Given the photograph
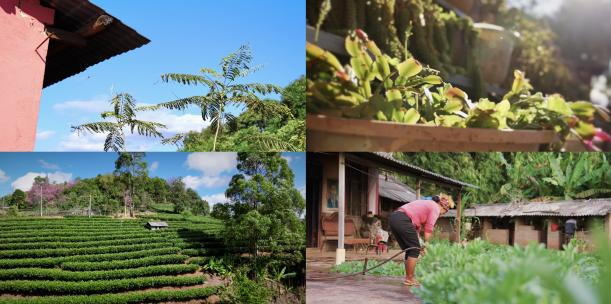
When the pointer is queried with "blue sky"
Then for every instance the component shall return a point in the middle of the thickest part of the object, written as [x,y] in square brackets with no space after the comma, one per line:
[207,173]
[185,36]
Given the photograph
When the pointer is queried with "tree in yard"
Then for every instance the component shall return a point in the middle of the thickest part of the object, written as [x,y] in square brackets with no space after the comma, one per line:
[18,199]
[130,167]
[122,115]
[196,204]
[224,89]
[264,207]
[178,195]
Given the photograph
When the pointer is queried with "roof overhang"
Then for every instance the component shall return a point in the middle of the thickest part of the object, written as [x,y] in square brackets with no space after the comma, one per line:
[388,162]
[84,35]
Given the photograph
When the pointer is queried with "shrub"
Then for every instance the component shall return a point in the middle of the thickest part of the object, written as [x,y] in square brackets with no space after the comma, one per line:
[93,287]
[108,265]
[61,275]
[124,298]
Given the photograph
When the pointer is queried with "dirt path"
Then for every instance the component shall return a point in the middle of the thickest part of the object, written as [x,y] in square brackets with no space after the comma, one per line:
[322,288]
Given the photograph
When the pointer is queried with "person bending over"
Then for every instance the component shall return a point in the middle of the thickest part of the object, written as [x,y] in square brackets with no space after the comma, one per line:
[406,224]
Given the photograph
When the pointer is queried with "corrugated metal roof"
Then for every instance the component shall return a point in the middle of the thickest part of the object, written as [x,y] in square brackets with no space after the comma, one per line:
[395,190]
[157,224]
[414,170]
[64,61]
[593,207]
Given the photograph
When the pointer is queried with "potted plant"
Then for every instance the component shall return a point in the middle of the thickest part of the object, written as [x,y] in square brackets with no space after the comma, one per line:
[379,103]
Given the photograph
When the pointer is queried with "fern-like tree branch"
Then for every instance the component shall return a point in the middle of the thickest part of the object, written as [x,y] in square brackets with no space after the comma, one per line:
[123,114]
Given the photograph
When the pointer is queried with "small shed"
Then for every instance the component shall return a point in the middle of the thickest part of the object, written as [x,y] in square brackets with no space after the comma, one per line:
[156,225]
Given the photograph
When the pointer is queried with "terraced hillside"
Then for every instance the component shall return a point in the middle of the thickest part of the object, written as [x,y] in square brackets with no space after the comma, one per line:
[103,260]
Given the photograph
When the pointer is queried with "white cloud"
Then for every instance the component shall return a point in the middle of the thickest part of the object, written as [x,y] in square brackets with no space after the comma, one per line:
[154,166]
[97,104]
[175,123]
[83,142]
[95,142]
[3,177]
[288,159]
[195,182]
[47,165]
[25,182]
[42,135]
[214,199]
[302,190]
[212,164]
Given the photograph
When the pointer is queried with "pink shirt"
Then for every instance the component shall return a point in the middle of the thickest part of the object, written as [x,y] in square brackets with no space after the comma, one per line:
[422,212]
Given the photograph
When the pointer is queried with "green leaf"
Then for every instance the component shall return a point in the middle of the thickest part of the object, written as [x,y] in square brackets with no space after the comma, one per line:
[557,104]
[585,130]
[409,68]
[352,46]
[583,109]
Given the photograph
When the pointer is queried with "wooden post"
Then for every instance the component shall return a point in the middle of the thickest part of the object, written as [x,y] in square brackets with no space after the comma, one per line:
[89,205]
[340,256]
[418,187]
[41,200]
[458,215]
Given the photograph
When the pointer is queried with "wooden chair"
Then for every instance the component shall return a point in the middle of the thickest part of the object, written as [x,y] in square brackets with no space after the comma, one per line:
[330,232]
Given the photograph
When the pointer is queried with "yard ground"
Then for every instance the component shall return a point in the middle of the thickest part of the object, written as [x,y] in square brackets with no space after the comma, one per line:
[322,288]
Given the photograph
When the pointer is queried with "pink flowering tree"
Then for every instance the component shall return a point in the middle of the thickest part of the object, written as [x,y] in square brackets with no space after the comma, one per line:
[50,192]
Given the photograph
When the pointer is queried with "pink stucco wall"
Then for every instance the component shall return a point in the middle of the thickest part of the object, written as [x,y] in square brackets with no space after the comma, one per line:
[22,68]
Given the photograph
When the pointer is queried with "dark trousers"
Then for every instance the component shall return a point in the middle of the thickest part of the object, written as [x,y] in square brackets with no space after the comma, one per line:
[404,232]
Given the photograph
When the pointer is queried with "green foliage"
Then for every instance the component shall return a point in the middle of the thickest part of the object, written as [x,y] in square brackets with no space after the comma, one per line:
[245,290]
[58,261]
[61,275]
[262,215]
[122,116]
[480,272]
[224,89]
[13,211]
[155,296]
[131,263]
[517,177]
[93,287]
[25,253]
[18,199]
[383,88]
[280,128]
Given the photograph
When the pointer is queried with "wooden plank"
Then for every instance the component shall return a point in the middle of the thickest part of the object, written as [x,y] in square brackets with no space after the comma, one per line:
[341,134]
[327,41]
[458,215]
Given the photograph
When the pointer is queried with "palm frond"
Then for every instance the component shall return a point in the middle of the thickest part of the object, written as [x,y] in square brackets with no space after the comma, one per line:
[146,128]
[260,88]
[268,143]
[174,140]
[96,127]
[210,71]
[108,114]
[183,103]
[114,141]
[235,63]
[188,79]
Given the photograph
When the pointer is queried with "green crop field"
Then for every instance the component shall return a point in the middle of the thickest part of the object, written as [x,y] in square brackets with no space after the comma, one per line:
[103,260]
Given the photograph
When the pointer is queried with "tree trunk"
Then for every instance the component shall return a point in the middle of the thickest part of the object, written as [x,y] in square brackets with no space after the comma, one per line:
[216,134]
